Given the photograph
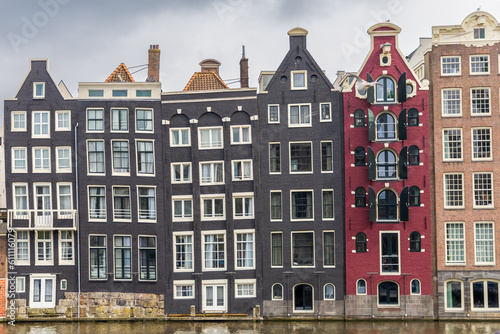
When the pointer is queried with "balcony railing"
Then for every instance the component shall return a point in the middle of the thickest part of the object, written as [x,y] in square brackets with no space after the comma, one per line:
[42,219]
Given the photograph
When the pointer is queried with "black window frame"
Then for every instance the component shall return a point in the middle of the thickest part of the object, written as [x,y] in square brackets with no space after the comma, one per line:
[415,242]
[359,118]
[360,197]
[359,156]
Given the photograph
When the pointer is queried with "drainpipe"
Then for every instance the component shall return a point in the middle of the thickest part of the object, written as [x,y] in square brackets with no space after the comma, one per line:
[77,218]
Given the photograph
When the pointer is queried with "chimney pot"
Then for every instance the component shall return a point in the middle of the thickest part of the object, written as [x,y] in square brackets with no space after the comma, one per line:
[154,63]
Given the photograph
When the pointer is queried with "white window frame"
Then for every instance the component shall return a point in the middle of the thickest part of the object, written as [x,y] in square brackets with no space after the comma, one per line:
[43,278]
[243,196]
[184,283]
[63,128]
[447,307]
[291,204]
[60,248]
[183,218]
[357,287]
[321,155]
[271,207]
[139,173]
[13,158]
[446,191]
[174,255]
[13,122]
[272,291]
[42,149]
[213,232]
[489,145]
[290,157]
[155,213]
[111,113]
[240,128]
[106,259]
[459,65]
[420,287]
[182,165]
[204,197]
[492,240]
[129,200]
[59,169]
[241,169]
[241,282]
[313,250]
[104,157]
[41,135]
[105,214]
[44,262]
[453,91]
[329,119]
[211,144]
[485,307]
[181,143]
[323,203]
[400,250]
[64,284]
[152,121]
[115,278]
[334,292]
[236,255]
[20,284]
[487,90]
[475,188]
[24,262]
[214,283]
[445,159]
[38,96]
[292,81]
[300,123]
[477,62]
[26,196]
[113,172]
[87,120]
[456,242]
[46,213]
[212,172]
[398,305]
[269,113]
[334,249]
[269,157]
[59,210]
[271,249]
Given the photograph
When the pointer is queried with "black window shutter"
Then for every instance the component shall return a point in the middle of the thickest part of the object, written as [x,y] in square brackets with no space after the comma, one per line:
[402,88]
[370,92]
[403,205]
[402,125]
[373,204]
[371,126]
[403,163]
[371,164]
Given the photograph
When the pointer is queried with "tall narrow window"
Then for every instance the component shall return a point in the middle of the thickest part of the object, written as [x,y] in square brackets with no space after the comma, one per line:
[414,196]
[415,242]
[389,251]
[453,191]
[302,205]
[97,202]
[22,248]
[361,242]
[387,205]
[214,254]
[483,190]
[276,249]
[123,257]
[183,252]
[66,247]
[276,210]
[414,155]
[245,250]
[120,157]
[386,127]
[359,156]
[63,159]
[274,158]
[386,165]
[413,117]
[121,203]
[326,156]
[147,203]
[359,118]
[119,119]
[481,144]
[95,156]
[65,201]
[326,115]
[18,121]
[452,144]
[147,258]
[386,91]
[97,257]
[360,197]
[484,236]
[329,249]
[44,247]
[328,212]
[455,243]
[274,113]
[480,100]
[454,296]
[145,158]
[451,102]
[415,287]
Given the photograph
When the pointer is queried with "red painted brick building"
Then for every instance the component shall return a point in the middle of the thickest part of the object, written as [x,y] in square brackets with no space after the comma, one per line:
[388,226]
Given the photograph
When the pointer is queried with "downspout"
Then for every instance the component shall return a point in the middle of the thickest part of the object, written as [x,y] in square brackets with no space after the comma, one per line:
[77,218]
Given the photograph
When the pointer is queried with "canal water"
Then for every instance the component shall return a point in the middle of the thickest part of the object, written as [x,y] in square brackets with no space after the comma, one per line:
[268,327]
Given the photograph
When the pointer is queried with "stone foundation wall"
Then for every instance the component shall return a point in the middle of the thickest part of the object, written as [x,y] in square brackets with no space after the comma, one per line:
[278,308]
[415,306]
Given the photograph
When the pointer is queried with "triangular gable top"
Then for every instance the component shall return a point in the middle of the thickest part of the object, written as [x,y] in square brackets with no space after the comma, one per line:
[205,81]
[120,74]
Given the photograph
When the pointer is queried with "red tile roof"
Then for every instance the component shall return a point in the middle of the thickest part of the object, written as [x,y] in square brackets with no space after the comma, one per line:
[121,74]
[205,81]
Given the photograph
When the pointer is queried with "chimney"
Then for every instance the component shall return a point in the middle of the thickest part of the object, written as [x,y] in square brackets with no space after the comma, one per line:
[297,38]
[153,63]
[243,70]
[210,65]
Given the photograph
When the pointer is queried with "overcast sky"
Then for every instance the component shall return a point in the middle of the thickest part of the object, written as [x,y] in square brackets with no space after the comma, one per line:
[86,40]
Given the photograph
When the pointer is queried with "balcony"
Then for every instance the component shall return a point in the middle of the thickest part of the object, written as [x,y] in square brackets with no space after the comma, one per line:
[42,219]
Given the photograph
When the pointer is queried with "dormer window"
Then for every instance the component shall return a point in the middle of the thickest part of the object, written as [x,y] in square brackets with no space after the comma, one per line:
[39,90]
[386,91]
[479,33]
[299,80]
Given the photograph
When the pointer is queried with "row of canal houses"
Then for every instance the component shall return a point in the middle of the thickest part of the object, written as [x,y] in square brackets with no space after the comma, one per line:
[369,197]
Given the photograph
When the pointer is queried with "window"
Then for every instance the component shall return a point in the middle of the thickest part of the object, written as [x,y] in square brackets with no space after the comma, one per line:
[143,93]
[485,295]
[303,298]
[387,205]
[97,203]
[484,239]
[481,144]
[453,191]
[44,249]
[214,253]
[241,134]
[64,284]
[455,244]
[327,202]
[42,291]
[243,205]
[414,196]
[119,120]
[181,172]
[274,113]
[213,207]
[183,208]
[66,256]
[329,291]
[302,205]
[63,159]
[123,257]
[386,165]
[389,250]
[41,159]
[452,102]
[210,138]
[360,197]
[415,287]
[242,170]
[302,249]
[276,249]
[326,156]
[274,158]
[483,190]
[95,120]
[386,127]
[20,284]
[144,120]
[96,92]
[359,156]
[65,200]
[480,101]
[478,33]
[145,158]
[184,289]
[95,154]
[41,124]
[97,248]
[299,80]
[414,156]
[147,203]
[361,242]
[300,157]
[480,64]
[22,247]
[413,117]
[452,144]
[454,295]
[325,110]
[43,205]
[180,137]
[119,93]
[19,160]
[245,249]
[214,295]
[147,258]
[415,242]
[361,287]
[121,157]
[386,90]
[388,294]
[121,203]
[38,90]
[18,121]
[329,249]
[63,120]
[183,252]
[359,118]
[211,173]
[276,209]
[277,291]
[450,65]
[299,115]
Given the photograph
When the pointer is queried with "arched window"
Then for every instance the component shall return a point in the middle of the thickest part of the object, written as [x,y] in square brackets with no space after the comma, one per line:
[386,91]
[413,117]
[359,118]
[415,287]
[386,127]
[387,205]
[277,291]
[360,242]
[329,291]
[360,195]
[454,295]
[386,165]
[361,287]
[359,156]
[414,196]
[415,242]
[388,293]
[414,155]
[303,297]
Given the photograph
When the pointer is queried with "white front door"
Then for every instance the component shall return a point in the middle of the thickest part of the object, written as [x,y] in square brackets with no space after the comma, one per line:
[214,298]
[42,291]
